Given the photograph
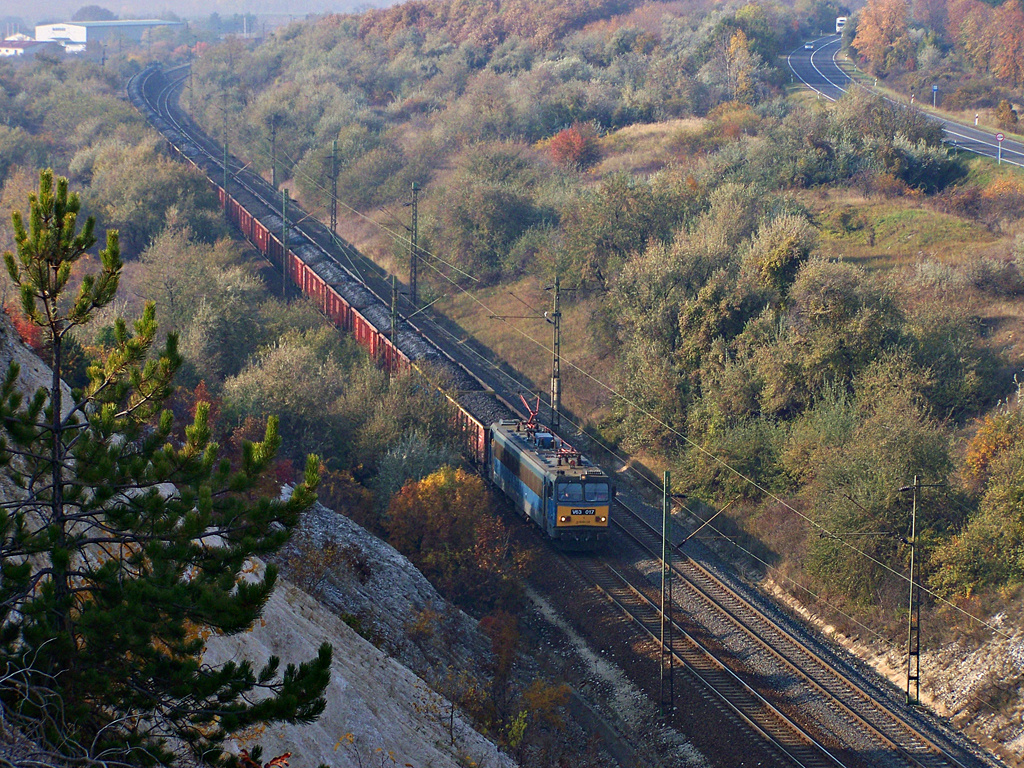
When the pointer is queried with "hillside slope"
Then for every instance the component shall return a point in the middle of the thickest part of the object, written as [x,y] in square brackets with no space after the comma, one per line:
[378,712]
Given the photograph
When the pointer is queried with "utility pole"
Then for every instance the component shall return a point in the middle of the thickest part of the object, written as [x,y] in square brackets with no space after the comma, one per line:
[273,153]
[553,317]
[191,110]
[334,187]
[394,309]
[225,170]
[914,614]
[284,243]
[224,106]
[556,357]
[413,239]
[667,659]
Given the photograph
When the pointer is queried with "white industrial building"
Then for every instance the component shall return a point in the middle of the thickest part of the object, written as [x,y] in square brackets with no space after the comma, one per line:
[27,48]
[75,36]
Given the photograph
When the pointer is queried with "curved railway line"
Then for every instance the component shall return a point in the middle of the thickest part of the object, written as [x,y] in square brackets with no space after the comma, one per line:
[805,683]
[809,703]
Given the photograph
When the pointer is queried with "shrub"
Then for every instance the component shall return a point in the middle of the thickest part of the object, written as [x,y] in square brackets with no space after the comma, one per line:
[575,147]
[479,223]
[997,433]
[990,549]
[444,525]
[1006,116]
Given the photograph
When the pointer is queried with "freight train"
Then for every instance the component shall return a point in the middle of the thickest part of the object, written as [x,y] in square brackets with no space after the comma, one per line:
[560,490]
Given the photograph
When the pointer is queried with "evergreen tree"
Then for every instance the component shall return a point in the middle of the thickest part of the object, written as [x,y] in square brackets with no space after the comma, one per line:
[120,550]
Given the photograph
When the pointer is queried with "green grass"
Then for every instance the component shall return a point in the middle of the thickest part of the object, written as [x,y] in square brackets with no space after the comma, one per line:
[886,234]
[916,228]
[982,171]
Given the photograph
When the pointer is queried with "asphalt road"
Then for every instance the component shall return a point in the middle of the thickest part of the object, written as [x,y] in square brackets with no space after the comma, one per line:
[818,70]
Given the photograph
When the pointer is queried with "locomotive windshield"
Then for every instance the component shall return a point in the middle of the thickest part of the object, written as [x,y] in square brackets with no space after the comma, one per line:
[596,491]
[570,492]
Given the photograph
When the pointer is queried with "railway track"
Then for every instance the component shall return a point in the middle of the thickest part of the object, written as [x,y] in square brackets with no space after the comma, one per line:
[629,594]
[770,676]
[195,145]
[795,695]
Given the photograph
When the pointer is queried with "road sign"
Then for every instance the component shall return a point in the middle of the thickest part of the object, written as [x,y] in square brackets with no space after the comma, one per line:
[935,88]
[999,137]
[999,148]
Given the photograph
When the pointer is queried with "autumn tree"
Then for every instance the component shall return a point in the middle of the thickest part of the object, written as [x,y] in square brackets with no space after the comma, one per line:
[745,68]
[444,524]
[120,547]
[997,433]
[575,147]
[969,27]
[1006,115]
[881,34]
[1008,51]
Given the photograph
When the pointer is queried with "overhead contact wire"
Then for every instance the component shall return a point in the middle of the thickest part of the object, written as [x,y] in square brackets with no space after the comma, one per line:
[672,430]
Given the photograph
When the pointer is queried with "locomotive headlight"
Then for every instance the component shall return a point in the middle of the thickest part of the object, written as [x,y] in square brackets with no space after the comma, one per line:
[601,519]
[564,519]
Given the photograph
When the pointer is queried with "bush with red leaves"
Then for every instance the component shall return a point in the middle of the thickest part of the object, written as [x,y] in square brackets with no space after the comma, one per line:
[575,147]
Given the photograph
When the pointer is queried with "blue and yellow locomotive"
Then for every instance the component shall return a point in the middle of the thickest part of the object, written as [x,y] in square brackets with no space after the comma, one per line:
[552,484]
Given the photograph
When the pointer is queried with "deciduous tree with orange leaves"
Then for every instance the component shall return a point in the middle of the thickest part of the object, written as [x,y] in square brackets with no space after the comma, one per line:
[881,33]
[444,524]
[1008,52]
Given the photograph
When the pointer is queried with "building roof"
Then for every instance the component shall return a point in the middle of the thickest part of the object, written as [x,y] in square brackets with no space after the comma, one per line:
[115,23]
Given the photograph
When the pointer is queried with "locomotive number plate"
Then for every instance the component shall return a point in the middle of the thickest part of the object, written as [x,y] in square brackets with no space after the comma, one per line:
[584,511]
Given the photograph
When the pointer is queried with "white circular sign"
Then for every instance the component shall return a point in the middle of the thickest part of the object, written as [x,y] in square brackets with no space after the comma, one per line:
[999,137]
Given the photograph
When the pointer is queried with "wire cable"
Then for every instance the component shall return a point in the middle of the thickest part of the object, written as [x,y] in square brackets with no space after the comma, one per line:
[870,630]
[394,234]
[669,428]
[735,472]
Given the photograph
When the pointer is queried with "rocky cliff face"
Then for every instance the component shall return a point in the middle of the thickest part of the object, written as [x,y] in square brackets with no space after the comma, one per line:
[379,712]
[379,591]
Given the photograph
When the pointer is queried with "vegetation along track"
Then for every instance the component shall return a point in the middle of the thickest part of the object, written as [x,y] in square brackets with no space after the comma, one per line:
[156,92]
[829,715]
[872,736]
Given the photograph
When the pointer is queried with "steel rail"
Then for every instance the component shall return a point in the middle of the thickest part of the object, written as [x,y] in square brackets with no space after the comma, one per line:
[757,625]
[200,142]
[781,731]
[377,287]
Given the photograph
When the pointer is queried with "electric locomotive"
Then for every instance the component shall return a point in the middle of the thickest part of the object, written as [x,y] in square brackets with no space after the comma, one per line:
[554,485]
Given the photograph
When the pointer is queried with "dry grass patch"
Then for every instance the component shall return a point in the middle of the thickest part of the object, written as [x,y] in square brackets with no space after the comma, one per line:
[644,148]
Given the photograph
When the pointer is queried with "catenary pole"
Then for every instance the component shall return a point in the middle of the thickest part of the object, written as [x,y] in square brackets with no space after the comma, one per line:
[556,357]
[667,687]
[334,187]
[413,248]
